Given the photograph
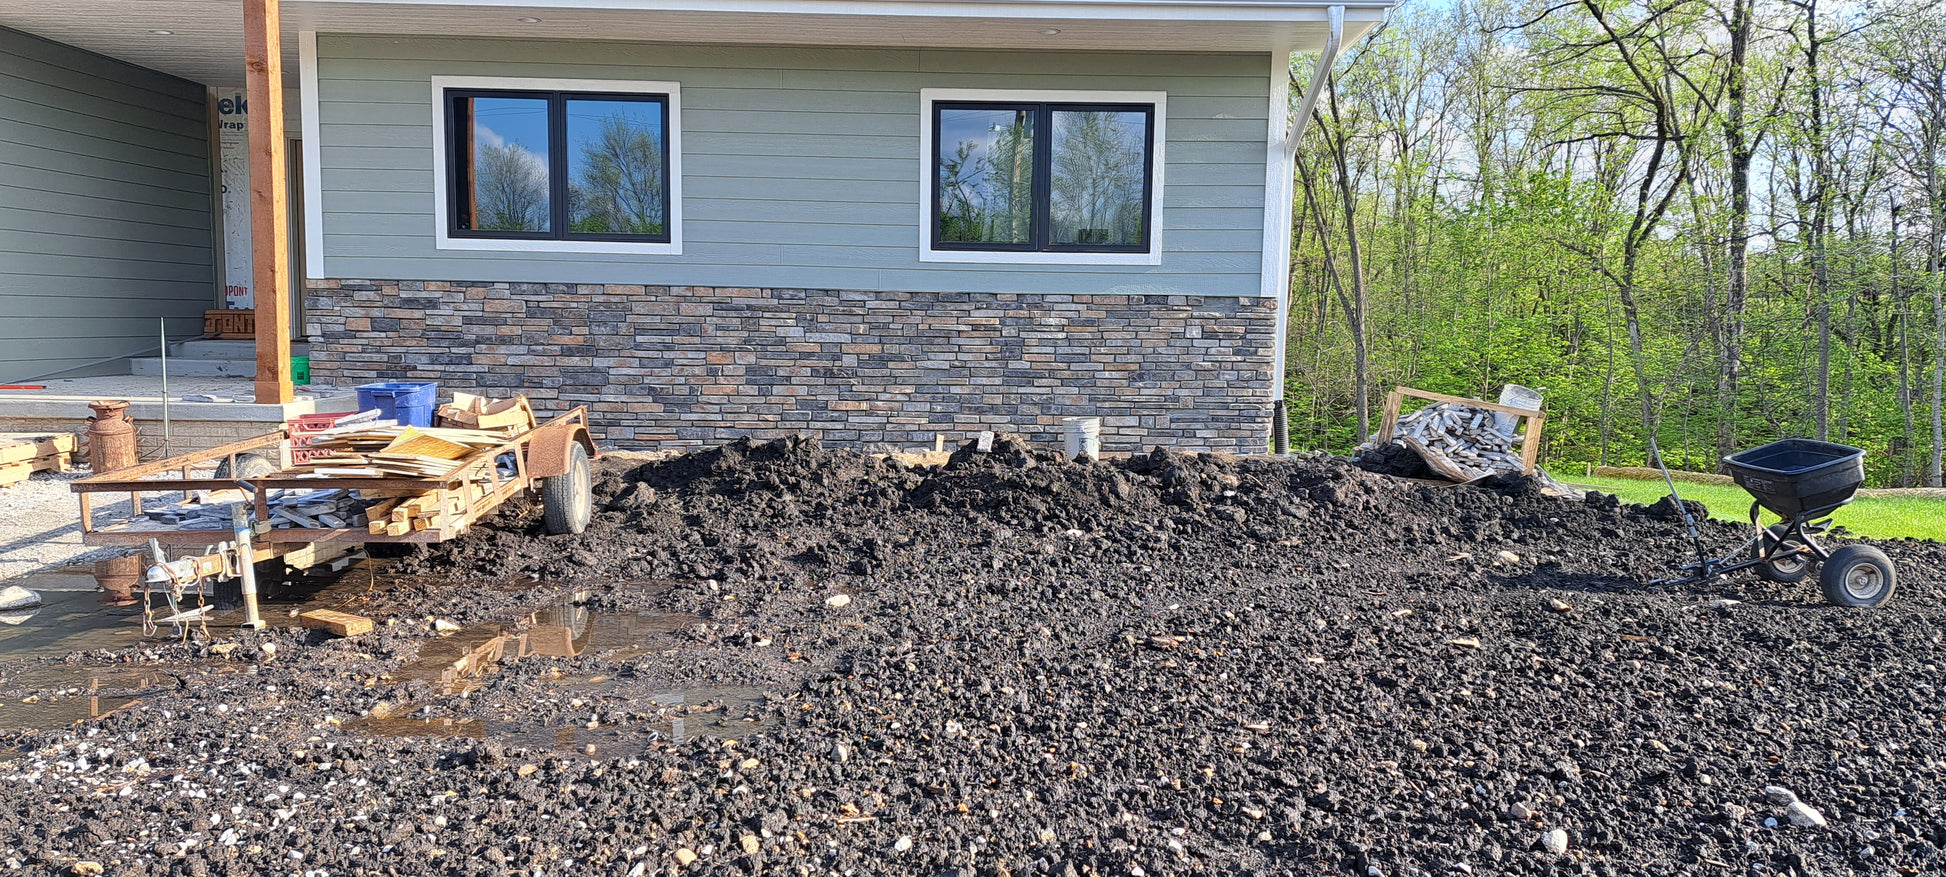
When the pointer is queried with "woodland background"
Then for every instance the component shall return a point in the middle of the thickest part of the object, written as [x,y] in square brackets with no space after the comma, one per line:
[1714,222]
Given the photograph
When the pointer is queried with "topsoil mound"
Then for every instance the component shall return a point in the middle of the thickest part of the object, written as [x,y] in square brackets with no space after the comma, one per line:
[793,511]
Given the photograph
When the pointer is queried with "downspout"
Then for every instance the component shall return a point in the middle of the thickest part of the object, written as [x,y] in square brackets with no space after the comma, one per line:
[1285,171]
[1326,58]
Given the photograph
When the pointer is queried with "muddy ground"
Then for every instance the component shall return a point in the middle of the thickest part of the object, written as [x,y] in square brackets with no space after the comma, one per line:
[784,659]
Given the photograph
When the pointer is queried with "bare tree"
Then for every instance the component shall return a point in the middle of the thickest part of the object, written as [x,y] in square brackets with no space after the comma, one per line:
[509,188]
[1913,54]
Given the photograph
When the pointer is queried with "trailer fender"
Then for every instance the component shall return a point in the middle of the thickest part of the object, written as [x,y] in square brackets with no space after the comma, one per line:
[547,454]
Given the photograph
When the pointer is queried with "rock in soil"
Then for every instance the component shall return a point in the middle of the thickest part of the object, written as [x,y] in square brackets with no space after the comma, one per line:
[1002,698]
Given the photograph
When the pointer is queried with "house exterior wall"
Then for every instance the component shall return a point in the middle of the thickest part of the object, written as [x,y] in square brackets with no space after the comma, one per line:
[104,207]
[799,301]
[701,364]
[801,166]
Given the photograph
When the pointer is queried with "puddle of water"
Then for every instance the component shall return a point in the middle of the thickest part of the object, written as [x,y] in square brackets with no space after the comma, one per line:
[456,661]
[57,712]
[717,712]
[68,621]
[574,629]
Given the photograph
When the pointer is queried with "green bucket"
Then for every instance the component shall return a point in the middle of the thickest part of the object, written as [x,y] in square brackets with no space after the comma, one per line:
[300,369]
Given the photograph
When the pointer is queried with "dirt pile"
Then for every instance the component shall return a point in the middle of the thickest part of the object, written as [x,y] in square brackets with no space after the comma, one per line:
[793,511]
[1015,665]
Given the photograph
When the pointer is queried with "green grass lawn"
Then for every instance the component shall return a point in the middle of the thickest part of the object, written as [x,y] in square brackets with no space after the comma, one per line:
[1876,517]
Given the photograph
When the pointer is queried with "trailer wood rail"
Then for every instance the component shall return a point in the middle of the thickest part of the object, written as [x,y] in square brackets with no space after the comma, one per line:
[472,490]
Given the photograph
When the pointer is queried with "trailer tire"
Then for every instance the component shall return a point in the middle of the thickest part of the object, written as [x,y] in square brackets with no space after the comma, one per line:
[1858,576]
[567,499]
[250,467]
[1787,571]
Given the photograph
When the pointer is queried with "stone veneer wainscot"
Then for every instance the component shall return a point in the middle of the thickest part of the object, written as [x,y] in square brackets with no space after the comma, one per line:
[707,364]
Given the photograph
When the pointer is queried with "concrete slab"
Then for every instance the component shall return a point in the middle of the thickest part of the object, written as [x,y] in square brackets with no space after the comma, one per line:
[68,398]
[194,368]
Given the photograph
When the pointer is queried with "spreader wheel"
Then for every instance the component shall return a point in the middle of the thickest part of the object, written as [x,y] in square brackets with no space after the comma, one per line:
[1858,576]
[1783,570]
[567,499]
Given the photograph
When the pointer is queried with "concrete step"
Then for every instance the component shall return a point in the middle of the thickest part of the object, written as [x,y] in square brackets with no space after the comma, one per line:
[216,348]
[194,368]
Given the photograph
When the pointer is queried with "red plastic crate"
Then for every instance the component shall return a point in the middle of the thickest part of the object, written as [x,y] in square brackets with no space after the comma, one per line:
[302,455]
[309,423]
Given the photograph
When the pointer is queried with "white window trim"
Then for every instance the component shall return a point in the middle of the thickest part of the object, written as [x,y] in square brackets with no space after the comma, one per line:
[441,150]
[929,96]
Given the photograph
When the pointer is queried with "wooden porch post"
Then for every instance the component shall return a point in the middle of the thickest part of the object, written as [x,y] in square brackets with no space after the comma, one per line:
[269,221]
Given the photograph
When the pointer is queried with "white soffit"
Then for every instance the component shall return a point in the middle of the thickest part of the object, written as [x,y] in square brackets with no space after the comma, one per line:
[205,42]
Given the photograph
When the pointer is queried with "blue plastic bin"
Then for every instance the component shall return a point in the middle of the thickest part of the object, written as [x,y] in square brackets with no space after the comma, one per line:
[409,402]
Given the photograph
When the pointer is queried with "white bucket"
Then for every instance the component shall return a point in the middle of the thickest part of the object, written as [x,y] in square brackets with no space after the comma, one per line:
[1083,437]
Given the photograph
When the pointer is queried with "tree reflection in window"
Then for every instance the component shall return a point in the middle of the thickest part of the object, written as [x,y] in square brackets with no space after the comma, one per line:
[1042,176]
[1098,178]
[510,187]
[986,184]
[616,168]
[555,165]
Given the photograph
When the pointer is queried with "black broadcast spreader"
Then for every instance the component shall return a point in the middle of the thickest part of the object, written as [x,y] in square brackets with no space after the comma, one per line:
[1801,481]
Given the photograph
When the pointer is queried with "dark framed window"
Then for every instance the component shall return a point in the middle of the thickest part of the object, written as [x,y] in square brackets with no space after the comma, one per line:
[1042,177]
[558,165]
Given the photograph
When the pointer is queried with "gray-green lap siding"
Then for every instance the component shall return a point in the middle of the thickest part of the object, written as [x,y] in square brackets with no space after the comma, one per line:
[800,165]
[105,214]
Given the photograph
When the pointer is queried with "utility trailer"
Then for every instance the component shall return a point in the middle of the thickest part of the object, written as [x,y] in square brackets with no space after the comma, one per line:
[552,458]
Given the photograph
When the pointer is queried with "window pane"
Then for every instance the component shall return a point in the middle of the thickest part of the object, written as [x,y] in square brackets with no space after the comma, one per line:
[506,153]
[986,175]
[1099,177]
[616,160]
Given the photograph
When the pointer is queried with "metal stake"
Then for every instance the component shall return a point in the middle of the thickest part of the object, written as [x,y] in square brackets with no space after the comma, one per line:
[163,332]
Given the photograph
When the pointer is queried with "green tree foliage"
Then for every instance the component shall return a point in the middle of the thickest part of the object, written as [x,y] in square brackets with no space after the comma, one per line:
[1653,210]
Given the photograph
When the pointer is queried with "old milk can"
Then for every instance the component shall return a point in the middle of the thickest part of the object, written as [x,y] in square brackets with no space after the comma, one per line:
[111,436]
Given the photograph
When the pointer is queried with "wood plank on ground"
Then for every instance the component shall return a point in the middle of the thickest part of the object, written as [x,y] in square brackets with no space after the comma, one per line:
[340,623]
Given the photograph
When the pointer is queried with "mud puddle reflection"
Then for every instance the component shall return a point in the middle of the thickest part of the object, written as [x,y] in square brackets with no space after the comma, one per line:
[688,714]
[459,663]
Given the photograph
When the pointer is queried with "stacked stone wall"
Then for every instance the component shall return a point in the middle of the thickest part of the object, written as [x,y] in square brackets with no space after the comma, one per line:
[690,365]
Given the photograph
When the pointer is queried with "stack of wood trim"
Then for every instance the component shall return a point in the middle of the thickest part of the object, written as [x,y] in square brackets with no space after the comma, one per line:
[468,411]
[402,512]
[378,452]
[23,454]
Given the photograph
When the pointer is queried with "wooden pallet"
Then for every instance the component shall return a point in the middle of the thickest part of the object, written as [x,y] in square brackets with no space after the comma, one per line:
[1530,442]
[24,453]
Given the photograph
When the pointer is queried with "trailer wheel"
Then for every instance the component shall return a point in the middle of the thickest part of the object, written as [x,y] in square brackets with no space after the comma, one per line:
[1858,576]
[1786,570]
[250,467]
[567,499]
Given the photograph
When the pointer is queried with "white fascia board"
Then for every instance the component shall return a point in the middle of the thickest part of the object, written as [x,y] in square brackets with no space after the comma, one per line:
[1168,10]
[307,99]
